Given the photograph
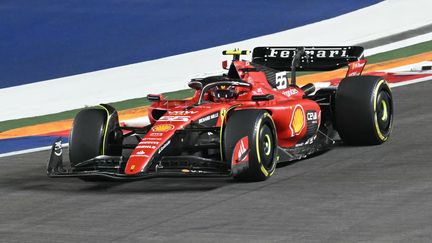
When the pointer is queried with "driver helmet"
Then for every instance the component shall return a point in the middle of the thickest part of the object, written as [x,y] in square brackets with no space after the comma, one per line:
[224,92]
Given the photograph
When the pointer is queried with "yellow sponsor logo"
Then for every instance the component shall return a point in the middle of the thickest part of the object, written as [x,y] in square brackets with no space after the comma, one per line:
[297,121]
[163,128]
[132,167]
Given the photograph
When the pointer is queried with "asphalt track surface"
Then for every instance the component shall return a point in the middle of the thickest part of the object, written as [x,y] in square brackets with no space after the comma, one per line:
[378,193]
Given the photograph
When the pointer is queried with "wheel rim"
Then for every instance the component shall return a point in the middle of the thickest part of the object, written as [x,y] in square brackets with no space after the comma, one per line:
[384,111]
[266,146]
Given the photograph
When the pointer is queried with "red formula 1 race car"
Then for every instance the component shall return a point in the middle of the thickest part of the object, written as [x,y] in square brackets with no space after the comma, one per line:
[239,124]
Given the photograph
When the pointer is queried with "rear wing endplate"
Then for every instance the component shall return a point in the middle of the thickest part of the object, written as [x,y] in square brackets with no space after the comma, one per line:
[316,58]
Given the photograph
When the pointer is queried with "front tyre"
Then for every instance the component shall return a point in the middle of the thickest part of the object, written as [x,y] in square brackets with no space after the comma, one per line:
[364,110]
[94,132]
[250,145]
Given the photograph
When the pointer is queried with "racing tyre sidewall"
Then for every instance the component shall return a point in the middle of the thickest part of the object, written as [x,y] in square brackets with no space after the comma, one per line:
[260,130]
[364,110]
[95,131]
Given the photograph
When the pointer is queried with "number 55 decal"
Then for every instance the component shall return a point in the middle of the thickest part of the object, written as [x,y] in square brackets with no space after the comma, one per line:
[281,80]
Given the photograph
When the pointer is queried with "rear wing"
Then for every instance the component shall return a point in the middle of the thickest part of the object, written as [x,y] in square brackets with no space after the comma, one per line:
[315,58]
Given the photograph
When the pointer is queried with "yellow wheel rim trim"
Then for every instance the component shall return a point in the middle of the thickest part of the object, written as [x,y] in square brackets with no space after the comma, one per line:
[377,129]
[385,112]
[105,129]
[263,169]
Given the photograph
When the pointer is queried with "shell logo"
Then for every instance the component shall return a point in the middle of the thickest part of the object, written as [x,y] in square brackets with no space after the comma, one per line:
[162,128]
[297,121]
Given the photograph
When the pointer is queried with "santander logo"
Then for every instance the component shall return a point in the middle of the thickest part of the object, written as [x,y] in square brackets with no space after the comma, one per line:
[290,92]
[240,151]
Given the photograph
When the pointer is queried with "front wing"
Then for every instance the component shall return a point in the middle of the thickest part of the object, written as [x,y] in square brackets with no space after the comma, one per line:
[112,167]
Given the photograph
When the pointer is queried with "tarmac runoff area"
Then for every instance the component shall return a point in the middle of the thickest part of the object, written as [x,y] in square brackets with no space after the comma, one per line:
[349,194]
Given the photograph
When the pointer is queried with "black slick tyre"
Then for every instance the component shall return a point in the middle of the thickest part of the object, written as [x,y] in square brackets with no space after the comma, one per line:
[364,110]
[259,128]
[86,136]
[94,131]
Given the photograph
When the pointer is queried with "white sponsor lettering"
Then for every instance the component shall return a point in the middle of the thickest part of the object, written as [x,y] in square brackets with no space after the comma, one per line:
[273,52]
[311,116]
[175,118]
[355,73]
[149,142]
[290,92]
[333,53]
[158,139]
[284,54]
[344,53]
[139,155]
[241,151]
[58,150]
[326,53]
[181,113]
[156,134]
[311,140]
[357,65]
[321,54]
[164,146]
[259,91]
[208,118]
[307,142]
[146,146]
[310,53]
[140,152]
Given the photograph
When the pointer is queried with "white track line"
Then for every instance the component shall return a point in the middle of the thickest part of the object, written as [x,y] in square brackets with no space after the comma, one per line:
[414,81]
[26,151]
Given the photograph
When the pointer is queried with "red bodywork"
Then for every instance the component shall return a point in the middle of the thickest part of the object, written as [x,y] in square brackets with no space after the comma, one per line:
[204,135]
[288,110]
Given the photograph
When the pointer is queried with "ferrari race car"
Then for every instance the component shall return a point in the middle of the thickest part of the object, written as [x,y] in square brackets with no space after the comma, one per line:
[239,124]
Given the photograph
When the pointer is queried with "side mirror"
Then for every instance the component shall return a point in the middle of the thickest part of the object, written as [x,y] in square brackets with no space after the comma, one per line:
[225,65]
[266,97]
[155,97]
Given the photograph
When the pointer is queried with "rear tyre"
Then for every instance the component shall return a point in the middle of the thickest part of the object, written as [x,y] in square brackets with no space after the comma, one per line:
[94,132]
[364,110]
[259,128]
